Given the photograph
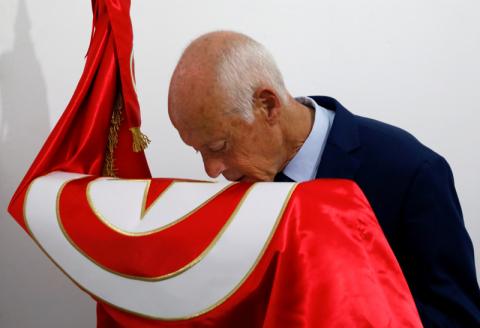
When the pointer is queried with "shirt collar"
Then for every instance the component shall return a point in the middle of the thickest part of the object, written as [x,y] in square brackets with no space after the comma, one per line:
[303,166]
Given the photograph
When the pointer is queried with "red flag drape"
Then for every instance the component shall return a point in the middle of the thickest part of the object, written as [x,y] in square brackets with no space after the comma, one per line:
[79,140]
[347,257]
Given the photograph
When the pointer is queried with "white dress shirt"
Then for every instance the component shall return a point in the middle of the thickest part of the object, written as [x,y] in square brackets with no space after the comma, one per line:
[303,166]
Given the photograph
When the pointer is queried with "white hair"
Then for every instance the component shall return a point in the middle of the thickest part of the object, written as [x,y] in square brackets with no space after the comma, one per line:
[243,67]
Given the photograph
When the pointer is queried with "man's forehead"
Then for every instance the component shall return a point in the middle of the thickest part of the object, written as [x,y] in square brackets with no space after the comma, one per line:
[200,109]
[198,131]
[199,116]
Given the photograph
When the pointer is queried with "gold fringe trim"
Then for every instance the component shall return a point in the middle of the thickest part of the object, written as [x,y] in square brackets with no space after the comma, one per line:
[140,141]
[115,122]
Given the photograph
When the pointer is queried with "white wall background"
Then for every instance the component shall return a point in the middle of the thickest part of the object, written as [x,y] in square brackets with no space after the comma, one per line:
[414,64]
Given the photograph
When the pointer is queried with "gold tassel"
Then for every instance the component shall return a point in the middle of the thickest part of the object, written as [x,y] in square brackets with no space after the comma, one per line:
[140,141]
[115,122]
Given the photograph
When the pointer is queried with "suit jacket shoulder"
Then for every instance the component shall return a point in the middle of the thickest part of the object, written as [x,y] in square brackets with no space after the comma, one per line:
[391,146]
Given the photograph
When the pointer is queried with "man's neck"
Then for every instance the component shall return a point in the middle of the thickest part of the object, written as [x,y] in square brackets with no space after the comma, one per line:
[298,122]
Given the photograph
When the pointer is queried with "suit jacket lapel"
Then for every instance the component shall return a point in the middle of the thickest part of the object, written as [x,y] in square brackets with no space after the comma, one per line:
[338,160]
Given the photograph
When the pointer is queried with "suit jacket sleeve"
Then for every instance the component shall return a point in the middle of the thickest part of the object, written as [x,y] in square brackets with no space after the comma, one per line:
[439,253]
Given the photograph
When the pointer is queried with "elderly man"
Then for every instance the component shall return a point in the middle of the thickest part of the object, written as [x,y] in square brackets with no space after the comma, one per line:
[228,101]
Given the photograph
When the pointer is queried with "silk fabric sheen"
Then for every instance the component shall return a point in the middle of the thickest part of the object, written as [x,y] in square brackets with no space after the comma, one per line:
[79,140]
[327,265]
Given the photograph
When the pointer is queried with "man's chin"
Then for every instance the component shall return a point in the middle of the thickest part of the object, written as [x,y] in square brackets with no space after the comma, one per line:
[242,178]
[245,178]
[248,179]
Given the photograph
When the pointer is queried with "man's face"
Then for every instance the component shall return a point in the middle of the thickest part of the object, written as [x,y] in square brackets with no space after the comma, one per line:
[229,144]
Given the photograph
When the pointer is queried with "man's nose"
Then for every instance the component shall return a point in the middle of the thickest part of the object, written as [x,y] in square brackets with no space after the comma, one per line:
[213,166]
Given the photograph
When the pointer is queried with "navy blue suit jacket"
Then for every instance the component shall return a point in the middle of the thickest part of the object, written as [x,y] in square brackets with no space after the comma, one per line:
[412,193]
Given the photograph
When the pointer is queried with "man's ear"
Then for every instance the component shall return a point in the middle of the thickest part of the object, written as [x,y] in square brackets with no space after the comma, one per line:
[268,103]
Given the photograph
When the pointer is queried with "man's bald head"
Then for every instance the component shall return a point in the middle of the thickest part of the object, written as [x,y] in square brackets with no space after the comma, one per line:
[228,101]
[224,68]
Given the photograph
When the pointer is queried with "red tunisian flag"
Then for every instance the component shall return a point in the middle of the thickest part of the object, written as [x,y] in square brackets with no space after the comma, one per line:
[172,253]
[99,130]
